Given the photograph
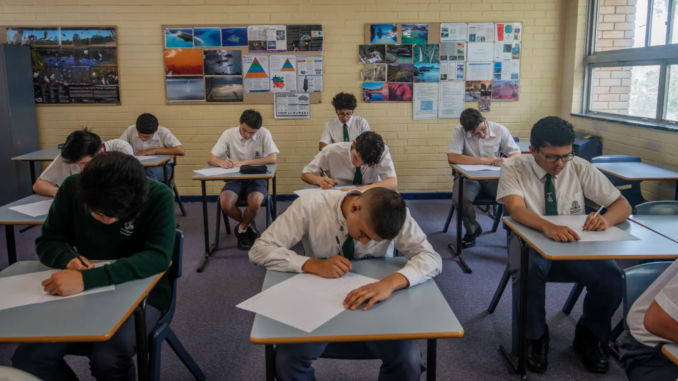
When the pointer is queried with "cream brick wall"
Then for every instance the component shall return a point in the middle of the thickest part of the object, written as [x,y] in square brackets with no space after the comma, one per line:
[418,147]
[648,144]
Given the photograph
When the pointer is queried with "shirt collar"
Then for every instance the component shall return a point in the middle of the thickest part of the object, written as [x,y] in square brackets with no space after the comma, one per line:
[539,171]
[253,138]
[490,132]
[347,123]
[340,214]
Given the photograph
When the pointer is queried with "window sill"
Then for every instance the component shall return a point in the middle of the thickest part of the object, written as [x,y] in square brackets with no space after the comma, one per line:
[629,122]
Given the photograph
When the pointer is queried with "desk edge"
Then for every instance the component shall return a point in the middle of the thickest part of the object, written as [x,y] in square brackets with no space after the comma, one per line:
[158,164]
[465,174]
[349,338]
[637,178]
[670,355]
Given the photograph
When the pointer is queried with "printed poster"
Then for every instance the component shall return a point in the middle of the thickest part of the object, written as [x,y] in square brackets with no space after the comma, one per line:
[506,70]
[256,71]
[480,52]
[267,38]
[452,71]
[481,32]
[292,106]
[508,32]
[504,51]
[452,32]
[451,99]
[310,73]
[425,101]
[453,51]
[479,71]
[310,83]
[283,73]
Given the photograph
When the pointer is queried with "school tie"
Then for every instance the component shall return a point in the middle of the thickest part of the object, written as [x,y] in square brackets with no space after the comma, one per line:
[550,197]
[348,248]
[345,133]
[358,177]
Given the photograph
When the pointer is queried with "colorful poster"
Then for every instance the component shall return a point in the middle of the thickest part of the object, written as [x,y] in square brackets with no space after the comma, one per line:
[183,62]
[383,34]
[508,32]
[399,54]
[505,90]
[481,32]
[504,51]
[224,89]
[452,32]
[414,33]
[283,73]
[304,38]
[234,36]
[400,92]
[256,73]
[207,37]
[267,38]
[222,62]
[427,72]
[425,105]
[174,38]
[506,70]
[375,91]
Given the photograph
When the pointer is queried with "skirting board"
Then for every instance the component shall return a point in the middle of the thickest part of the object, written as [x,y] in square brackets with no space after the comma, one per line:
[292,197]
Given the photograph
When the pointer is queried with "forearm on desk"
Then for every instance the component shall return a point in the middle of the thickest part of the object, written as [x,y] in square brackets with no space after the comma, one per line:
[310,178]
[389,183]
[618,212]
[270,159]
[45,188]
[455,158]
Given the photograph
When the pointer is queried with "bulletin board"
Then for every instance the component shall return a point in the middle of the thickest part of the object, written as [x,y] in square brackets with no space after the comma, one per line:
[73,65]
[217,63]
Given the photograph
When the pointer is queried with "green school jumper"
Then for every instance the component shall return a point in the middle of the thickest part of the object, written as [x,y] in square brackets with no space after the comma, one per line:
[142,247]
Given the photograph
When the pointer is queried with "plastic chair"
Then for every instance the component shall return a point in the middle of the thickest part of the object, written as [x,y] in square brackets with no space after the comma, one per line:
[267,202]
[633,195]
[665,208]
[516,139]
[480,200]
[162,331]
[173,185]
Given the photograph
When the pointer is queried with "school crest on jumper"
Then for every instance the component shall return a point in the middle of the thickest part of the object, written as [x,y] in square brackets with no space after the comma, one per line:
[257,155]
[128,228]
[575,208]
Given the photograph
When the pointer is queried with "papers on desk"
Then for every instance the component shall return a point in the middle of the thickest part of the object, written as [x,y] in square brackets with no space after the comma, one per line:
[478,167]
[22,290]
[142,158]
[576,223]
[305,301]
[302,192]
[34,209]
[217,171]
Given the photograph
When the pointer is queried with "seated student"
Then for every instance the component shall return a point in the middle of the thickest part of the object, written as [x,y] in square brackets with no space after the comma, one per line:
[653,322]
[365,162]
[110,211]
[552,181]
[346,126]
[148,138]
[247,144]
[477,141]
[80,147]
[374,218]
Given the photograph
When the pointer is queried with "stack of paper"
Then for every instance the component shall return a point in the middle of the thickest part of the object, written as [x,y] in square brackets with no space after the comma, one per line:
[35,209]
[302,192]
[576,223]
[217,171]
[478,167]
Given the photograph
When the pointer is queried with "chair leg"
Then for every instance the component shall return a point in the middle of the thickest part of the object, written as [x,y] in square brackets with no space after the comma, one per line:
[572,299]
[497,217]
[186,358]
[449,218]
[269,217]
[178,199]
[226,223]
[155,350]
[500,290]
[217,227]
[617,331]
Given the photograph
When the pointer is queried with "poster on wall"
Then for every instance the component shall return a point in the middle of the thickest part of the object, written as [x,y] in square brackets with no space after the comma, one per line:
[267,38]
[292,106]
[304,38]
[425,105]
[256,71]
[283,73]
[451,99]
[452,32]
[310,73]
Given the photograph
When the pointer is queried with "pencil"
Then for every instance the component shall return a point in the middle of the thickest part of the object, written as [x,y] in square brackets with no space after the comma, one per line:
[72,249]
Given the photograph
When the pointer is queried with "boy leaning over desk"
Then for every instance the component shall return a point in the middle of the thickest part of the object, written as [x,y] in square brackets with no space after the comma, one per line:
[335,228]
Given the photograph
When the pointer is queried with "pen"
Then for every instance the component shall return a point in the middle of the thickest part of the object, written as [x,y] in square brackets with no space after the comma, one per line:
[72,249]
[341,250]
[595,215]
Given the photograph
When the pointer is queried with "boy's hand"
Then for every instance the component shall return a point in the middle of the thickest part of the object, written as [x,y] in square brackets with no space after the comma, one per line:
[489,160]
[227,163]
[595,224]
[237,164]
[371,293]
[144,153]
[326,182]
[499,162]
[333,267]
[76,265]
[561,233]
[64,283]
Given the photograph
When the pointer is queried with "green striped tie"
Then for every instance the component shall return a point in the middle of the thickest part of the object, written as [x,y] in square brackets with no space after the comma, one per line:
[346,133]
[550,197]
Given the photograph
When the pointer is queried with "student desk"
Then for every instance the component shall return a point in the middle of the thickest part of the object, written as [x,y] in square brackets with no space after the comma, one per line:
[664,225]
[649,245]
[225,177]
[524,147]
[88,318]
[640,171]
[157,161]
[471,175]
[42,155]
[671,351]
[9,218]
[398,318]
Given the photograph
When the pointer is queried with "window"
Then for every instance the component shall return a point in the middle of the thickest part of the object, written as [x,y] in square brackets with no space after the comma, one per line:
[631,61]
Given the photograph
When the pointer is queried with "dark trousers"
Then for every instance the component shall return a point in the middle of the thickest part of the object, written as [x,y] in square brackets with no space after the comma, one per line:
[109,360]
[645,363]
[157,174]
[603,281]
[472,188]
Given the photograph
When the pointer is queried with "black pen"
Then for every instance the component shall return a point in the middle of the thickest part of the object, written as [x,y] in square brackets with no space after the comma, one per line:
[72,249]
[341,250]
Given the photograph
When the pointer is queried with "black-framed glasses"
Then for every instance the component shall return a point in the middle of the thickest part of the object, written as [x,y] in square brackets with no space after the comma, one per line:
[555,158]
[341,114]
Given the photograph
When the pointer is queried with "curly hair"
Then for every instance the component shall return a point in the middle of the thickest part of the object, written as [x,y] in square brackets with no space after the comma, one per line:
[344,101]
[147,124]
[370,146]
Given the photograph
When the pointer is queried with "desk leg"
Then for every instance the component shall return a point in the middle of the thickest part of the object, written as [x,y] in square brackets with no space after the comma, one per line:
[456,249]
[31,165]
[675,197]
[270,362]
[142,341]
[164,174]
[11,244]
[206,226]
[275,199]
[431,354]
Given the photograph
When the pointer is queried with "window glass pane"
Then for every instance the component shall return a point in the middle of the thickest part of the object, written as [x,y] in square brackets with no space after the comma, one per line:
[628,90]
[660,16]
[674,37]
[672,96]
[621,26]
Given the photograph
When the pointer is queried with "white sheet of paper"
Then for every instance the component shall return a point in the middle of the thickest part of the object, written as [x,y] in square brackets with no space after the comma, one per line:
[479,72]
[142,158]
[216,171]
[451,99]
[305,301]
[576,223]
[480,51]
[302,192]
[425,104]
[35,209]
[479,167]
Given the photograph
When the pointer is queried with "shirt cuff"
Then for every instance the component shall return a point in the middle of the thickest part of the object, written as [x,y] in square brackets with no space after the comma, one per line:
[411,274]
[510,192]
[95,277]
[297,262]
[669,306]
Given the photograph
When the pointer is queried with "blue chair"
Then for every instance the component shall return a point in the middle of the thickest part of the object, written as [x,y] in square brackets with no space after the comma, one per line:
[633,194]
[666,208]
[162,331]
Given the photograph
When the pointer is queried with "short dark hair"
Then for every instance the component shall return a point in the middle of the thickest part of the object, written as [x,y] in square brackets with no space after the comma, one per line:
[147,124]
[370,146]
[470,119]
[252,118]
[114,184]
[80,144]
[344,101]
[385,211]
[552,130]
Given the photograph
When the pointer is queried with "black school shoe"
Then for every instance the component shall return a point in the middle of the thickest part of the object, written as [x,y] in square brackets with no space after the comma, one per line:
[253,232]
[594,356]
[469,240]
[538,353]
[244,241]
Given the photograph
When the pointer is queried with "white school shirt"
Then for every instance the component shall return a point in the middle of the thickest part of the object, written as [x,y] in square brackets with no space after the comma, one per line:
[522,176]
[163,138]
[334,129]
[498,141]
[335,161]
[664,291]
[58,170]
[237,148]
[316,219]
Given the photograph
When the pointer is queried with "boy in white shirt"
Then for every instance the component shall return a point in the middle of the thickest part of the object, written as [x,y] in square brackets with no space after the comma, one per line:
[80,147]
[375,219]
[365,162]
[247,144]
[346,126]
[653,322]
[148,138]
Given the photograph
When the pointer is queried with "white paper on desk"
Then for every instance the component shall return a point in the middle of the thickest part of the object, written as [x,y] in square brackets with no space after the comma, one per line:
[302,192]
[217,171]
[479,167]
[576,223]
[142,158]
[35,209]
[305,301]
[22,290]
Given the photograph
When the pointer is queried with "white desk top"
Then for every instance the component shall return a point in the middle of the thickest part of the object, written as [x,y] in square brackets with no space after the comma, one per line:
[11,217]
[524,147]
[639,171]
[42,155]
[664,225]
[477,175]
[238,175]
[157,160]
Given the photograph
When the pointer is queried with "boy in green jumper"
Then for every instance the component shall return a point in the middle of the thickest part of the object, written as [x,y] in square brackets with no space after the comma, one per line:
[110,211]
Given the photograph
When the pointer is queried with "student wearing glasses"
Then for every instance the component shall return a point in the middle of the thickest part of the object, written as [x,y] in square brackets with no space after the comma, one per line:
[477,141]
[549,182]
[346,126]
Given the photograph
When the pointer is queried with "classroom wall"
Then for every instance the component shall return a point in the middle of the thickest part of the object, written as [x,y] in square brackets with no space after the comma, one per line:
[618,139]
[418,147]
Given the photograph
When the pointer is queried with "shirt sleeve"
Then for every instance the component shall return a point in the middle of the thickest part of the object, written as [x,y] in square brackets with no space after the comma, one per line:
[56,172]
[169,140]
[125,147]
[58,231]
[364,126]
[269,145]
[423,262]
[326,137]
[385,168]
[667,298]
[125,135]
[596,186]
[456,141]
[509,182]
[221,148]
[272,249]
[508,144]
